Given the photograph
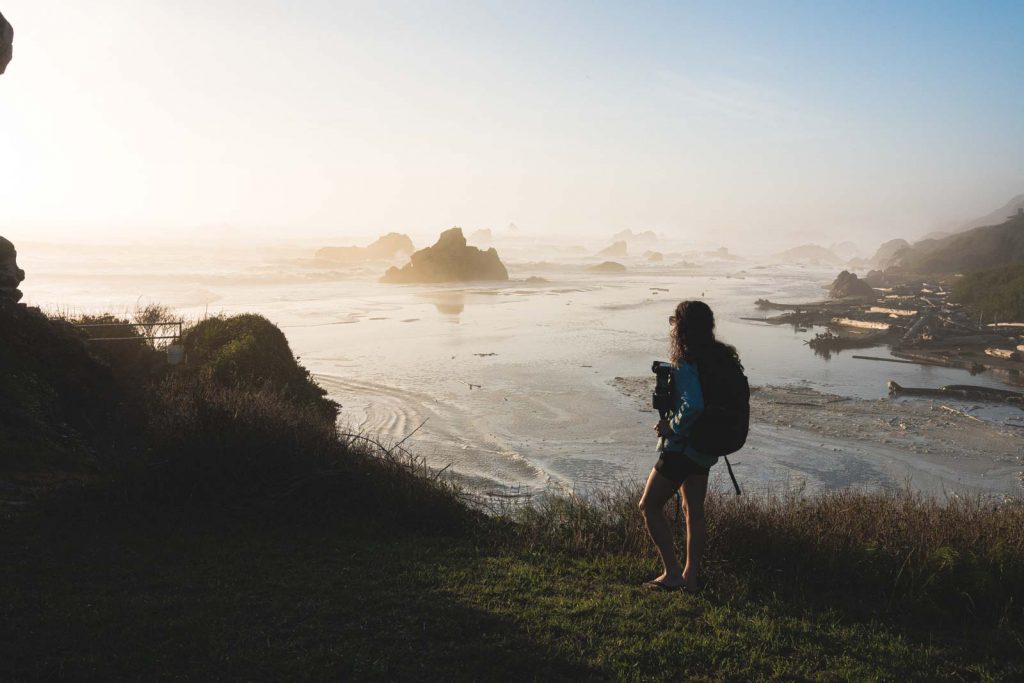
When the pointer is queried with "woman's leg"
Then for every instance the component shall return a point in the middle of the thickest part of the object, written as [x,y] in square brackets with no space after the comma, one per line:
[652,504]
[695,490]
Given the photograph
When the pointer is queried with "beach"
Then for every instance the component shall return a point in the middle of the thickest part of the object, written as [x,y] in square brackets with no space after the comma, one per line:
[513,387]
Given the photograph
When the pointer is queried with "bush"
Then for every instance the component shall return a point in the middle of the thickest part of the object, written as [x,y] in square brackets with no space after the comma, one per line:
[249,352]
[997,293]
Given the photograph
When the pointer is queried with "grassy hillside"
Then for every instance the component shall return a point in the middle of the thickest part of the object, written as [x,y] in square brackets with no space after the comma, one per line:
[978,249]
[997,293]
[242,537]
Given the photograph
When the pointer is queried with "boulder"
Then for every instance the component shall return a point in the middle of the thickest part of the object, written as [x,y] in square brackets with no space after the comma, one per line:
[10,274]
[450,259]
[386,248]
[607,267]
[654,256]
[616,250]
[849,285]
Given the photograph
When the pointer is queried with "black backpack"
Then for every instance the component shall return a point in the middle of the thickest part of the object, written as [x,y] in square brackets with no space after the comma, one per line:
[723,426]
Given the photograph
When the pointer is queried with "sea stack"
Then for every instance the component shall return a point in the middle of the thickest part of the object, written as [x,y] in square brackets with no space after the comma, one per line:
[449,260]
[847,285]
[10,274]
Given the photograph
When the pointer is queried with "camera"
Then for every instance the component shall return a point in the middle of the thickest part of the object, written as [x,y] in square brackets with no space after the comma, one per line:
[661,399]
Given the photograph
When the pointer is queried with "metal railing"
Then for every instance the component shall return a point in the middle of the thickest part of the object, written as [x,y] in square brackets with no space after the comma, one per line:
[148,326]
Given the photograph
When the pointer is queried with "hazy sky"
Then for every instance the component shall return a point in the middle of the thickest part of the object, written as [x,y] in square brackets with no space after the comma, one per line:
[725,122]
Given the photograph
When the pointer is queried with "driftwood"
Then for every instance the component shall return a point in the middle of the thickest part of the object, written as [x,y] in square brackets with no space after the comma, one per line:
[897,360]
[1005,354]
[861,324]
[916,328]
[906,312]
[961,391]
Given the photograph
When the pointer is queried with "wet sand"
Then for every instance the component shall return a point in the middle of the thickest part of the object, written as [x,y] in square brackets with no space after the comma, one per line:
[941,447]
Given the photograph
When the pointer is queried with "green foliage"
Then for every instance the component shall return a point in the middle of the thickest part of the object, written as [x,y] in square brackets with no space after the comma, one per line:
[997,293]
[978,249]
[248,351]
[57,400]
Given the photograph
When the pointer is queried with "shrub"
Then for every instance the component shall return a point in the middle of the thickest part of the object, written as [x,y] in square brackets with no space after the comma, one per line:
[248,351]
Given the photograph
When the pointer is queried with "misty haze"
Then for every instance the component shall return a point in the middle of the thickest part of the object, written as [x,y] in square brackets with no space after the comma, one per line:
[327,332]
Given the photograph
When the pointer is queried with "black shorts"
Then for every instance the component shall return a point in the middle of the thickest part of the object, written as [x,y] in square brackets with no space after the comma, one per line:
[677,466]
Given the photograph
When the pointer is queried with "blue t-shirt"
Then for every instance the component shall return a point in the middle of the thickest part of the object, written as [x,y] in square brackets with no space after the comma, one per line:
[687,405]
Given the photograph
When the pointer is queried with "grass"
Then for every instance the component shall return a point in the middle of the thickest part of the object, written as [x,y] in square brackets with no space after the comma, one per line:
[238,535]
[90,592]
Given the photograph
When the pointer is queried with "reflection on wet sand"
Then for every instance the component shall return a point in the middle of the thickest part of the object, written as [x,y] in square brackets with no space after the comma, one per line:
[449,302]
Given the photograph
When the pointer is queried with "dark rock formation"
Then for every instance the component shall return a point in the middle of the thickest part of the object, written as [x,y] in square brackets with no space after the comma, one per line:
[876,278]
[6,43]
[849,285]
[607,267]
[616,250]
[391,246]
[10,274]
[449,260]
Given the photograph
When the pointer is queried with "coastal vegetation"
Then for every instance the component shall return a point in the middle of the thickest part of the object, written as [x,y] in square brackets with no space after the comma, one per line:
[997,294]
[977,249]
[226,527]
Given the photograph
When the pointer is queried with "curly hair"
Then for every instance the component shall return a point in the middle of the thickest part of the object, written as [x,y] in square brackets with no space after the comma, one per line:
[693,335]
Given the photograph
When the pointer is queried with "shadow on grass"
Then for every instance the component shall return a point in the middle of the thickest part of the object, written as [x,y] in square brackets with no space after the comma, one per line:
[103,598]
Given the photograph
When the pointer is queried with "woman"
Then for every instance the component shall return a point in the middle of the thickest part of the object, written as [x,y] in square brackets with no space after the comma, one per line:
[692,344]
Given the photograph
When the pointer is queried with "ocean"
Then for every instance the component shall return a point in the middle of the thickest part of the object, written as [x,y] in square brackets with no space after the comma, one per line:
[509,385]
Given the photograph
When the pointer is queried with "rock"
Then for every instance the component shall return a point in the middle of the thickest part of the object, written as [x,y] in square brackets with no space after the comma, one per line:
[888,250]
[449,260]
[617,250]
[6,43]
[10,274]
[534,280]
[849,285]
[386,248]
[876,278]
[654,256]
[607,267]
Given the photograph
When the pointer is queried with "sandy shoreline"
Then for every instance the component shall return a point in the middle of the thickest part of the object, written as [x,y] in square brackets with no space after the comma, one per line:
[936,446]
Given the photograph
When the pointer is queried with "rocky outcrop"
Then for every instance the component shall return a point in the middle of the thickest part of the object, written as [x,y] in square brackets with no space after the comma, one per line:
[607,267]
[449,260]
[849,285]
[6,43]
[10,274]
[616,250]
[654,256]
[889,249]
[386,248]
[876,278]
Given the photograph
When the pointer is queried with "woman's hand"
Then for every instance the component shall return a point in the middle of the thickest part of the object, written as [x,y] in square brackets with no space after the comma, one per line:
[663,429]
